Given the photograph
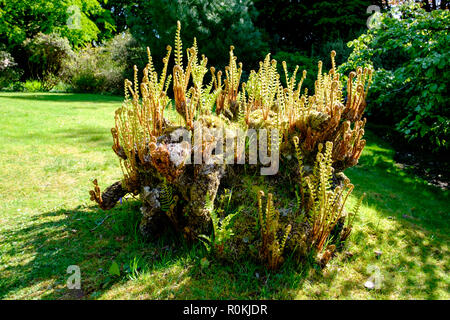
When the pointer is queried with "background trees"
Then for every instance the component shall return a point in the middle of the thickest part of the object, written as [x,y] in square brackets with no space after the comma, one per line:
[96,43]
[305,24]
[80,21]
[153,23]
[410,52]
[26,26]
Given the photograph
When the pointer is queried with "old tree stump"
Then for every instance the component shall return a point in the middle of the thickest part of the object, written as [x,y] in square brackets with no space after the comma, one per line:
[223,137]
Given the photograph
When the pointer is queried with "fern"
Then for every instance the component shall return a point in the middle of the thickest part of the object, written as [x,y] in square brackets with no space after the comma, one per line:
[178,46]
[241,112]
[166,198]
[327,131]
[299,156]
[348,226]
[222,228]
[325,205]
[272,248]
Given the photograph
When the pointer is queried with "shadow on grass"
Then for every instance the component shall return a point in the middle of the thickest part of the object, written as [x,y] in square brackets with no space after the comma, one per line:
[420,222]
[66,97]
[71,237]
[172,267]
[397,194]
[67,238]
[57,239]
[86,135]
[93,138]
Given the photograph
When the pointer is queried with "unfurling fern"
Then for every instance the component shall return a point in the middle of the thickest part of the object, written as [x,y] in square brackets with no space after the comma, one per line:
[241,111]
[272,248]
[350,218]
[325,205]
[299,156]
[178,46]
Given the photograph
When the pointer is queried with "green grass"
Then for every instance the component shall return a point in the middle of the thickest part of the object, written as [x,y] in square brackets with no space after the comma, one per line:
[53,145]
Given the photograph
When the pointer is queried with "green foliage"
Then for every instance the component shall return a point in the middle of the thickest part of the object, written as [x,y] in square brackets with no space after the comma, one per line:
[300,25]
[325,204]
[322,52]
[46,55]
[133,268]
[91,70]
[80,21]
[125,52]
[61,87]
[104,68]
[154,22]
[222,226]
[33,86]
[409,48]
[350,219]
[300,59]
[82,71]
[13,87]
[114,269]
[272,245]
[166,197]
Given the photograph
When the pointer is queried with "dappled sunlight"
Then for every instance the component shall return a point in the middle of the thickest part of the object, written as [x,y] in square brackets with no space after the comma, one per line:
[167,283]
[409,225]
[47,224]
[253,150]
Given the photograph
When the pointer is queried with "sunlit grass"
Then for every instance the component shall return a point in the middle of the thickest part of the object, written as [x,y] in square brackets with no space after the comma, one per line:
[53,145]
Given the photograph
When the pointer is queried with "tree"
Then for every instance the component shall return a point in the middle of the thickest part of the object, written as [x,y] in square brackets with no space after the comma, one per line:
[409,49]
[46,54]
[80,21]
[428,5]
[302,24]
[216,24]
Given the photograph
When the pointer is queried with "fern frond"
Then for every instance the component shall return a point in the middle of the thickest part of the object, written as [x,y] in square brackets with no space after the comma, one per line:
[178,46]
[286,234]
[355,211]
[166,197]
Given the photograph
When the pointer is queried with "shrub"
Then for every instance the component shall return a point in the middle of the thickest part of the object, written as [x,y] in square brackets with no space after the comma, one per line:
[126,52]
[81,21]
[409,48]
[338,45]
[81,71]
[104,68]
[15,86]
[33,86]
[61,87]
[47,53]
[9,73]
[91,71]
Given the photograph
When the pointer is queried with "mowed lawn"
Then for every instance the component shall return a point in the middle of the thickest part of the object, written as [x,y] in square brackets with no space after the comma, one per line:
[53,145]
